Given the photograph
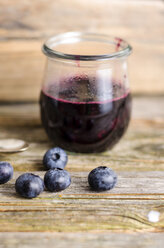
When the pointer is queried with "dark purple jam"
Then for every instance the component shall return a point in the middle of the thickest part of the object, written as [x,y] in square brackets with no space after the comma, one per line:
[80,117]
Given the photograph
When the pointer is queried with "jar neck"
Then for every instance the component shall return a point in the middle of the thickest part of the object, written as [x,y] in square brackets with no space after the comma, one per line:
[86,47]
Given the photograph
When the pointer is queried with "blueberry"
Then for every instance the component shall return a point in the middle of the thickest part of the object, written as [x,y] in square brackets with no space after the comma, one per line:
[57,179]
[6,172]
[102,178]
[29,185]
[55,158]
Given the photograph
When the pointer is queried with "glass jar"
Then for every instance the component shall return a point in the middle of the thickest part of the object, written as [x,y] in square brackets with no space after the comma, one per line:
[85,98]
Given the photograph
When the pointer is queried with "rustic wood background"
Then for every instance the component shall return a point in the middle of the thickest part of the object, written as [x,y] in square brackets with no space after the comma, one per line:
[24,25]
[79,217]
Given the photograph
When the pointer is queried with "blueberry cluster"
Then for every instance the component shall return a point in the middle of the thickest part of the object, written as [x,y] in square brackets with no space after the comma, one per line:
[6,172]
[56,178]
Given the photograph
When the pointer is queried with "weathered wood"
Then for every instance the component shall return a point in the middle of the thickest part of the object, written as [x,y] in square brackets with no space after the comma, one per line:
[24,26]
[82,240]
[138,160]
[125,208]
[38,19]
[141,149]
[78,216]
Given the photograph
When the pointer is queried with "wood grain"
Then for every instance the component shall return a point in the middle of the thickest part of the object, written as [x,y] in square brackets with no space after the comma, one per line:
[82,240]
[138,160]
[80,209]
[24,26]
[79,217]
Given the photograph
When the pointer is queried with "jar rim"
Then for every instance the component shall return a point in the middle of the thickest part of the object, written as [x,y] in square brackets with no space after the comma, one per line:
[125,48]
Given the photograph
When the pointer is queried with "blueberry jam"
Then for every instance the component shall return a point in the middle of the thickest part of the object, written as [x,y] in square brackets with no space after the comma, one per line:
[81,117]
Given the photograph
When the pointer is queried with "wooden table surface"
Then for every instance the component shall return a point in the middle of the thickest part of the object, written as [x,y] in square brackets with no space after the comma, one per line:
[78,217]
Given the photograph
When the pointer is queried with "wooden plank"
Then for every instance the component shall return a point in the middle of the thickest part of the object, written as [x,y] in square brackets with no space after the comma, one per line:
[24,26]
[80,209]
[138,160]
[121,18]
[141,148]
[17,84]
[82,240]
